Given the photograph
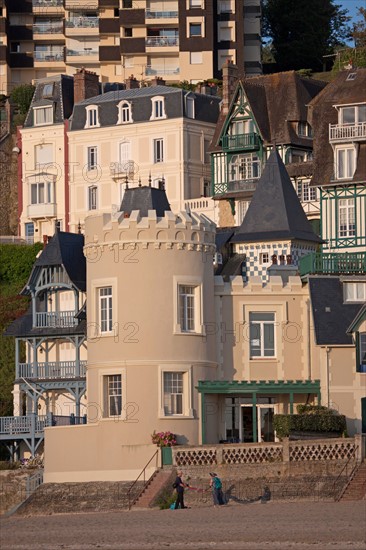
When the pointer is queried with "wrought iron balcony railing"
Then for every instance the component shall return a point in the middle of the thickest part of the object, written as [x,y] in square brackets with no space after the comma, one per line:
[241,142]
[333,264]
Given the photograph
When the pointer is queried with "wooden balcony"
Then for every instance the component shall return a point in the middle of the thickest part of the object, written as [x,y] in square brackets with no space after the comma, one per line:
[51,370]
[241,142]
[344,133]
[56,319]
[333,264]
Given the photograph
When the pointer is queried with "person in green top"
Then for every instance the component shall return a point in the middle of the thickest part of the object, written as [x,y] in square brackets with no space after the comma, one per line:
[216,486]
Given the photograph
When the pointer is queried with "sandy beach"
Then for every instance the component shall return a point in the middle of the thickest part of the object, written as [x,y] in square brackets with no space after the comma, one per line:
[255,526]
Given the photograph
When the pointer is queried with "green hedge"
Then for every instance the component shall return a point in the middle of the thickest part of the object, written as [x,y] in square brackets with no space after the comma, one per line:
[314,422]
[17,262]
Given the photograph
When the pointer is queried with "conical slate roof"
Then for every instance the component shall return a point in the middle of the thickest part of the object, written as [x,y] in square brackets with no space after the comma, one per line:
[145,198]
[275,211]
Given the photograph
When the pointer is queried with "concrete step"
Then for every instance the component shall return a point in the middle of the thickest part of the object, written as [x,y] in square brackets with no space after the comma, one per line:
[162,479]
[356,490]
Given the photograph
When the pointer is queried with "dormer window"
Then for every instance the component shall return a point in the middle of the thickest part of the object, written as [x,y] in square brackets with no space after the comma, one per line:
[345,162]
[47,90]
[158,108]
[92,118]
[43,115]
[124,112]
[354,114]
[304,129]
[190,106]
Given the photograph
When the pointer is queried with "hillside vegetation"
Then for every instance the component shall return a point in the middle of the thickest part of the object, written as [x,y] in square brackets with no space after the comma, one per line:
[15,266]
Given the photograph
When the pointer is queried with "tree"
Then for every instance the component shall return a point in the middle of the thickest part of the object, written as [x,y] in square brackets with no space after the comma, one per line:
[359,29]
[22,97]
[303,31]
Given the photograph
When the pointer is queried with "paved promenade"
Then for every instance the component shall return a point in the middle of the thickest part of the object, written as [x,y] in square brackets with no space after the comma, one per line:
[255,526]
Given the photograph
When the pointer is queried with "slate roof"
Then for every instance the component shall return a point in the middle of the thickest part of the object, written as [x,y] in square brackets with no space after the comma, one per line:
[206,107]
[62,98]
[276,101]
[145,198]
[332,317]
[322,112]
[275,211]
[232,267]
[63,249]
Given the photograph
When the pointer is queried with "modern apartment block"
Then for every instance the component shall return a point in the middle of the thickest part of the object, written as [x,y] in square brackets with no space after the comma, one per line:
[177,40]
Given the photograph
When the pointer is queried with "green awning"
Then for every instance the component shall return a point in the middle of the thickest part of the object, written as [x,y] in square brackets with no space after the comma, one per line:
[258,386]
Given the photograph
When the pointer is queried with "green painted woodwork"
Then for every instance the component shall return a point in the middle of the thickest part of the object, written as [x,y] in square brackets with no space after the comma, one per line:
[333,263]
[258,386]
[167,456]
[241,142]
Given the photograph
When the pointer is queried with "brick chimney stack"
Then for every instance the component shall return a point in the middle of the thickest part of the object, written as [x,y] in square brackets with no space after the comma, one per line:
[229,82]
[132,83]
[158,81]
[86,84]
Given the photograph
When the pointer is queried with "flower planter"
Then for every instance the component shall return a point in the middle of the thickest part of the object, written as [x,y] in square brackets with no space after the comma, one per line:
[167,456]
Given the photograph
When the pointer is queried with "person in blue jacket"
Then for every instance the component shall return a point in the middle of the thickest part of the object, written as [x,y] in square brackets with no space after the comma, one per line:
[216,486]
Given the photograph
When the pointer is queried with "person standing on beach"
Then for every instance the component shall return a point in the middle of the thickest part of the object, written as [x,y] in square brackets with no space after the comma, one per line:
[179,487]
[216,486]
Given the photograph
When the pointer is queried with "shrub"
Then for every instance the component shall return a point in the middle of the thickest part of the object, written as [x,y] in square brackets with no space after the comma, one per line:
[311,420]
[164,439]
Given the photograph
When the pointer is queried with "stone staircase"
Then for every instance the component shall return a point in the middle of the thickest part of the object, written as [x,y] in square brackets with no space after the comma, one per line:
[356,489]
[160,482]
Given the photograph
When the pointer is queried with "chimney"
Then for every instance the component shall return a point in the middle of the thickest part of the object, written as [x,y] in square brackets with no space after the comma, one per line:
[86,84]
[229,82]
[132,82]
[157,81]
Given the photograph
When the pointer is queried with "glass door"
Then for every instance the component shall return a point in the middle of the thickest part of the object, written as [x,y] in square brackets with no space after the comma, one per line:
[246,424]
[265,429]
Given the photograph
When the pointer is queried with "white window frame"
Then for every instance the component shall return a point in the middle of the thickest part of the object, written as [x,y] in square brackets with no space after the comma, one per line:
[105,304]
[264,259]
[124,112]
[45,187]
[193,4]
[92,157]
[304,129]
[346,218]
[345,167]
[94,325]
[306,192]
[104,397]
[158,108]
[361,349]
[356,110]
[158,150]
[47,112]
[92,197]
[198,325]
[190,106]
[354,291]
[187,407]
[261,324]
[92,116]
[243,167]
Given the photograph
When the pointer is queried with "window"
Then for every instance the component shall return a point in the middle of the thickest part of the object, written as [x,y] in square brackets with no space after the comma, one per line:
[355,292]
[190,106]
[241,208]
[304,129]
[113,394]
[345,163]
[187,308]
[362,351]
[264,258]
[158,150]
[305,192]
[47,90]
[158,108]
[195,29]
[15,47]
[91,117]
[244,167]
[128,32]
[195,3]
[41,192]
[105,309]
[346,218]
[261,333]
[240,127]
[43,115]
[173,393]
[126,4]
[124,112]
[92,197]
[353,115]
[206,188]
[29,230]
[92,158]
[196,58]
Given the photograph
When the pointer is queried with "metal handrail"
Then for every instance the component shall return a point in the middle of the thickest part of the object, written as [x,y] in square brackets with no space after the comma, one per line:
[33,482]
[131,501]
[352,458]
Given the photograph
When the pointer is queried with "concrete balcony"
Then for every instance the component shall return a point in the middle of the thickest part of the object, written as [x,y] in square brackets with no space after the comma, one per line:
[87,55]
[161,16]
[201,205]
[51,370]
[44,210]
[44,29]
[152,71]
[47,56]
[121,169]
[48,7]
[82,26]
[166,42]
[343,133]
[56,319]
[81,5]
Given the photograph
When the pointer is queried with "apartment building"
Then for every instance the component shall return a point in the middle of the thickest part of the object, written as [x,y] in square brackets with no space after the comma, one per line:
[177,40]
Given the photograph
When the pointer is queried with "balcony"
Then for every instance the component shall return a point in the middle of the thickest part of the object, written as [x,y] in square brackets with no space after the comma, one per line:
[161,41]
[121,169]
[333,264]
[87,55]
[150,71]
[48,28]
[82,26]
[347,132]
[81,4]
[47,7]
[49,55]
[19,427]
[56,319]
[241,142]
[54,370]
[44,210]
[152,14]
